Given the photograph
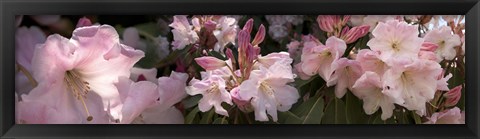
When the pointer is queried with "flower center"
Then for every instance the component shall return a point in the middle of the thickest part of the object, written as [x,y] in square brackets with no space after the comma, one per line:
[213,89]
[266,88]
[79,89]
[395,46]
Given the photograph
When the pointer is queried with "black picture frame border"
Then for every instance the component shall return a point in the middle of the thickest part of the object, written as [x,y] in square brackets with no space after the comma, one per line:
[10,8]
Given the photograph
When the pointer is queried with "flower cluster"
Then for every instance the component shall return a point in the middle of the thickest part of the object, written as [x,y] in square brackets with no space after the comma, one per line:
[259,82]
[299,69]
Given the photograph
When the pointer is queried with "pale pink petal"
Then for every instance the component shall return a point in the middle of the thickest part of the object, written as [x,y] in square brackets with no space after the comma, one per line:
[139,96]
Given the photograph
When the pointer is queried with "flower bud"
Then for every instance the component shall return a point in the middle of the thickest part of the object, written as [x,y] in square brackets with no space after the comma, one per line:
[210,63]
[84,22]
[210,25]
[355,33]
[326,22]
[429,46]
[248,26]
[259,36]
[453,96]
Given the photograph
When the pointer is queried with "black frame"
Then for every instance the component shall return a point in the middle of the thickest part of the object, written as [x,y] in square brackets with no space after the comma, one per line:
[8,9]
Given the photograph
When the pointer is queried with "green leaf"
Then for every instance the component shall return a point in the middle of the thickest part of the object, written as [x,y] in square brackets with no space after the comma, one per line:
[191,101]
[354,110]
[376,118]
[190,118]
[315,113]
[288,118]
[402,117]
[217,55]
[220,121]
[417,118]
[299,82]
[207,117]
[335,112]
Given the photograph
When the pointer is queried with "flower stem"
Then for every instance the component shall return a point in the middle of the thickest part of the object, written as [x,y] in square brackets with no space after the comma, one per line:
[233,74]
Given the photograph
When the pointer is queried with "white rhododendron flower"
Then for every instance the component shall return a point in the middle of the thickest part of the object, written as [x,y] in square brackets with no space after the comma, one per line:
[395,40]
[183,32]
[446,42]
[212,88]
[268,90]
[225,32]
[319,59]
[412,84]
[369,89]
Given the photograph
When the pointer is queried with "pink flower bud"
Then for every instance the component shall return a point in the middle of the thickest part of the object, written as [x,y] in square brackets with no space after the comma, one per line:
[428,46]
[344,31]
[251,53]
[248,26]
[453,96]
[210,25]
[229,53]
[210,63]
[259,36]
[84,21]
[355,33]
[346,18]
[326,22]
[243,39]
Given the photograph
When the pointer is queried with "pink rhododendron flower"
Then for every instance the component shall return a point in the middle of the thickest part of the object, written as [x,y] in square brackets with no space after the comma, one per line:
[272,58]
[25,41]
[453,96]
[369,61]
[76,77]
[293,48]
[299,71]
[369,89]
[212,88]
[395,39]
[226,32]
[136,97]
[412,84]
[319,59]
[183,33]
[171,90]
[449,116]
[243,104]
[346,73]
[446,42]
[268,91]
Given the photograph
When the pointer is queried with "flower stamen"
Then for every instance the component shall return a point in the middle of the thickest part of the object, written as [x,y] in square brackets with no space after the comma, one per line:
[79,89]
